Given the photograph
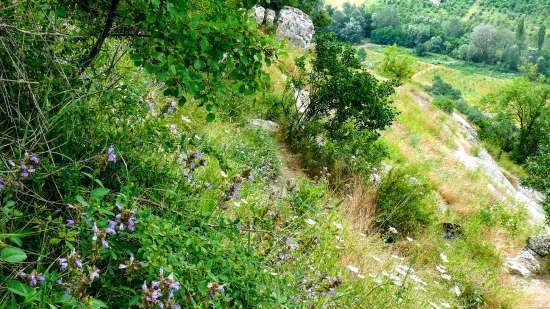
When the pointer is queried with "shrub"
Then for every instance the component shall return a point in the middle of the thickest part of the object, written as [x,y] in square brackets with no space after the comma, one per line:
[441,88]
[405,200]
[395,65]
[445,104]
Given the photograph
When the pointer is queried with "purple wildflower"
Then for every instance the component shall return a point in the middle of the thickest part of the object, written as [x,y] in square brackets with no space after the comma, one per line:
[70,223]
[171,107]
[34,159]
[63,264]
[104,243]
[70,206]
[111,155]
[33,278]
[2,184]
[24,171]
[332,291]
[111,227]
[94,273]
[215,288]
[196,155]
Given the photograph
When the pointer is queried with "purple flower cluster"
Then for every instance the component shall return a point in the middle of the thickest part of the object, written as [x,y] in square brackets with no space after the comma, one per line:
[33,278]
[111,155]
[234,185]
[132,265]
[100,235]
[172,107]
[125,219]
[2,184]
[160,292]
[72,261]
[190,162]
[215,288]
[319,286]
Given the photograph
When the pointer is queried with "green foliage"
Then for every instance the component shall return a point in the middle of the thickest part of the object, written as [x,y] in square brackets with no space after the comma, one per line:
[525,103]
[445,104]
[541,36]
[351,24]
[441,88]
[339,84]
[405,200]
[538,168]
[396,65]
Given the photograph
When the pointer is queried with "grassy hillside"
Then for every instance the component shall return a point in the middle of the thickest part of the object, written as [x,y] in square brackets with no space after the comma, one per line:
[140,169]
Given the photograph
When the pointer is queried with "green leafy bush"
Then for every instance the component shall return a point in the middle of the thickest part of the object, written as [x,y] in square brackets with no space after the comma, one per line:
[405,200]
[441,88]
[396,65]
[445,104]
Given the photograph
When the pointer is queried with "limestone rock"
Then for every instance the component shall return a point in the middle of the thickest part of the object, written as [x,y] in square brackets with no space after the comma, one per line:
[524,264]
[258,13]
[517,268]
[270,17]
[302,99]
[296,26]
[539,244]
[266,125]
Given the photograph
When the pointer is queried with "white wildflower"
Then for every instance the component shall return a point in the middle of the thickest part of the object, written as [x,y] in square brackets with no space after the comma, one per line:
[417,279]
[353,269]
[446,277]
[409,239]
[393,230]
[434,305]
[444,258]
[338,225]
[457,291]
[377,259]
[446,305]
[441,269]
[310,222]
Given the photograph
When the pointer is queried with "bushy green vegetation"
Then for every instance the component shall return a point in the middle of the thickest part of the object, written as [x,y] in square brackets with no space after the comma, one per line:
[131,175]
[395,65]
[347,108]
[427,27]
[406,200]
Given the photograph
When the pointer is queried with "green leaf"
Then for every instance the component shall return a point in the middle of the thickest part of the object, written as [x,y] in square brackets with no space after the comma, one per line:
[97,304]
[16,240]
[82,201]
[19,288]
[210,117]
[99,193]
[13,255]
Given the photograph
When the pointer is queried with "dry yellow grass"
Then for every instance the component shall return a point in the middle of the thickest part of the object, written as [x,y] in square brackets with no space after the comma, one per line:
[359,207]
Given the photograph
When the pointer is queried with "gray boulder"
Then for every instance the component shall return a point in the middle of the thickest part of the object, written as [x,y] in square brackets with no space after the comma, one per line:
[296,26]
[270,17]
[258,13]
[539,244]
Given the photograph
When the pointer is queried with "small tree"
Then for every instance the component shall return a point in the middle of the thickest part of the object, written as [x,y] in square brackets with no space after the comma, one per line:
[342,91]
[526,103]
[397,66]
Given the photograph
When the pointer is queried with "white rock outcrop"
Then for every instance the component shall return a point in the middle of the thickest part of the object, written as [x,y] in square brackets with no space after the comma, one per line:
[296,26]
[524,264]
[270,17]
[258,13]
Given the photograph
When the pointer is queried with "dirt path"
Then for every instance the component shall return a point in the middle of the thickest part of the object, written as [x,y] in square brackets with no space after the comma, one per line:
[535,292]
